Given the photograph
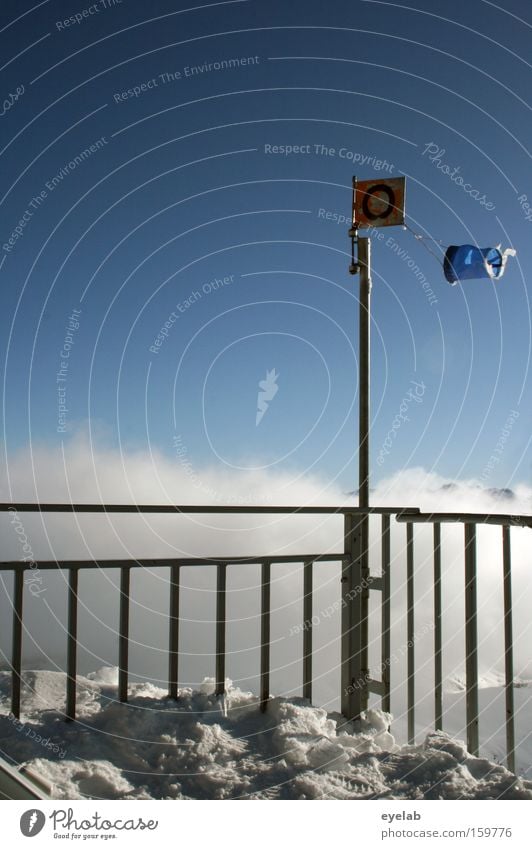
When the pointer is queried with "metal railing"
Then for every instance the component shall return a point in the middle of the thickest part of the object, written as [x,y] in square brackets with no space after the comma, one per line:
[470,521]
[356,585]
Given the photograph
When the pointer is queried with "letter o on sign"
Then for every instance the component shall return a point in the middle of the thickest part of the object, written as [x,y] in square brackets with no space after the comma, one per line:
[379,203]
[384,207]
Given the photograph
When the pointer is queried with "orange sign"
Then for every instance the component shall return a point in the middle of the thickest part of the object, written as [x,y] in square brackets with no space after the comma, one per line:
[379,203]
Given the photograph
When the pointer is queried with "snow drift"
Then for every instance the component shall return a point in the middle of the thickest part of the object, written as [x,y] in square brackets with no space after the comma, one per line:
[203,748]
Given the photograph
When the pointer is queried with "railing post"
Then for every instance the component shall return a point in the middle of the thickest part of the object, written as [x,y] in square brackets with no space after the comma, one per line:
[508,649]
[355,676]
[471,639]
[221,578]
[438,667]
[72,643]
[265,635]
[411,659]
[173,637]
[386,613]
[307,631]
[16,647]
[123,639]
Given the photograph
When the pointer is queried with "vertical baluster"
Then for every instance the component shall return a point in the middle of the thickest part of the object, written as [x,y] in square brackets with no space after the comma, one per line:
[221,579]
[16,647]
[438,668]
[307,631]
[471,642]
[72,644]
[508,649]
[265,635]
[362,632]
[173,638]
[410,631]
[123,639]
[354,677]
[385,613]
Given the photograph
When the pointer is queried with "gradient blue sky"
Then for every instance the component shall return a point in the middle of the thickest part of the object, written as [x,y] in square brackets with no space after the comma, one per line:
[183,192]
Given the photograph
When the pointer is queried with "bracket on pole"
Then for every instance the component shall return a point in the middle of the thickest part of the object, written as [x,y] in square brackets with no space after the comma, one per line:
[353,233]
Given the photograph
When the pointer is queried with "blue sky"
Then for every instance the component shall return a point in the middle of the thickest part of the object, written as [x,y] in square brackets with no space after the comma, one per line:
[180,209]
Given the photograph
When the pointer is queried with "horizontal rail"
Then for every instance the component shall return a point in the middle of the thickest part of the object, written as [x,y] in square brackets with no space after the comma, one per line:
[467,518]
[28,507]
[376,582]
[164,562]
[377,687]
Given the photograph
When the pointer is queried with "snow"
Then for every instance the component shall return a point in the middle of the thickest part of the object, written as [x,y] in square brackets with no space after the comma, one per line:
[203,747]
[486,681]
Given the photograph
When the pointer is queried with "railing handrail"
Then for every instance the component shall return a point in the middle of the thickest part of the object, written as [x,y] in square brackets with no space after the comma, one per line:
[165,562]
[466,518]
[36,507]
[402,514]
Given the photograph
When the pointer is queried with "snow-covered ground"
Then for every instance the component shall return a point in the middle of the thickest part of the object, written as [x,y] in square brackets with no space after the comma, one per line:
[200,748]
[492,712]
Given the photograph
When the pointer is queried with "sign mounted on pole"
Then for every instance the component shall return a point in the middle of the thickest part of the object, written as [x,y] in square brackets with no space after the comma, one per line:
[379,203]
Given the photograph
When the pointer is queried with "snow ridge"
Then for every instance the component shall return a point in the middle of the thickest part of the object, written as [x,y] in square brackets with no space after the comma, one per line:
[196,748]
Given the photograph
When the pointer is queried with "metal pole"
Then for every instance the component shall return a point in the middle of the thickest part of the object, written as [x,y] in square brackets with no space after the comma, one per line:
[364,260]
[72,644]
[173,640]
[438,655]
[221,583]
[508,649]
[355,571]
[471,639]
[307,630]
[353,682]
[411,657]
[16,650]
[265,635]
[386,613]
[123,637]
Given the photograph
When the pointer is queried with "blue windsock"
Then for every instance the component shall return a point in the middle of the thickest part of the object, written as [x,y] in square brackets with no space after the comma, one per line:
[467,262]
